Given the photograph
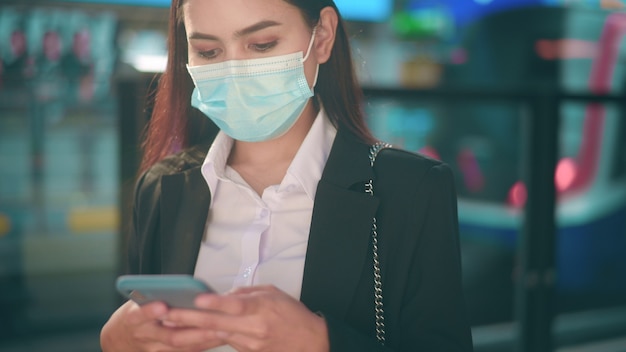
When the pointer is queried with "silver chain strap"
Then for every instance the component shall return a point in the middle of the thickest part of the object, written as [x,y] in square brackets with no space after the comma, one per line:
[378,285]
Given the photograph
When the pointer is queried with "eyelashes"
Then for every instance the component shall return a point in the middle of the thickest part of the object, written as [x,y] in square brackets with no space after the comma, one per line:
[257,47]
[263,47]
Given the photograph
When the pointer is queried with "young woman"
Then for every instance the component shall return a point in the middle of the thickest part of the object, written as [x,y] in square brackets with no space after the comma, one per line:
[257,179]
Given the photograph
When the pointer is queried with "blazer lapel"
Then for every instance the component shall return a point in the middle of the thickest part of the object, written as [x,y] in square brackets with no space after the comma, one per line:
[339,240]
[184,209]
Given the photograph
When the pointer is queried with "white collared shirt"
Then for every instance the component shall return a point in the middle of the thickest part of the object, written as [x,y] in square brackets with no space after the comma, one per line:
[254,240]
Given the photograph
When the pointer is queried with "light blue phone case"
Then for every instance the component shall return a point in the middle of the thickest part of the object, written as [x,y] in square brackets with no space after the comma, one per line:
[177,291]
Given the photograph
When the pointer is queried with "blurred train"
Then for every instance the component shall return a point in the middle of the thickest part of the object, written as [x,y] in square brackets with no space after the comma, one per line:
[566,50]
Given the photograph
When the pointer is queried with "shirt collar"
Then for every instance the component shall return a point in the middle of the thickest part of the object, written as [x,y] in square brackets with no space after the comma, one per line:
[214,165]
[308,164]
[305,170]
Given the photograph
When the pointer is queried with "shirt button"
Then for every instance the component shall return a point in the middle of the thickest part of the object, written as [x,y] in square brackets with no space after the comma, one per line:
[247,272]
[263,213]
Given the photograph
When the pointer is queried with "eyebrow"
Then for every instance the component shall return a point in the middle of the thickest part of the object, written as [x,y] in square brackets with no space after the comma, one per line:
[238,34]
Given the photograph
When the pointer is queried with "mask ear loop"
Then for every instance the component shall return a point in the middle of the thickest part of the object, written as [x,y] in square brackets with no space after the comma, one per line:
[308,51]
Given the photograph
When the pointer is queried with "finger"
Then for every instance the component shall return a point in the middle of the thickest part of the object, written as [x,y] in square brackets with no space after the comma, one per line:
[149,312]
[230,303]
[242,300]
[202,339]
[190,318]
[253,289]
[166,339]
[167,348]
[219,322]
[227,304]
[161,347]
[243,342]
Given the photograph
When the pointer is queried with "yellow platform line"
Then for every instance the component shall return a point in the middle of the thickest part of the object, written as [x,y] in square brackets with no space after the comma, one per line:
[93,219]
[5,225]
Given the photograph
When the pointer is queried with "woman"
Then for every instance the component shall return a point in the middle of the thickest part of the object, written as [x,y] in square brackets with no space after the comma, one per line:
[273,211]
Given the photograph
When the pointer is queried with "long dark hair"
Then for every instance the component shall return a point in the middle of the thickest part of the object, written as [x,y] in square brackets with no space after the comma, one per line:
[175,125]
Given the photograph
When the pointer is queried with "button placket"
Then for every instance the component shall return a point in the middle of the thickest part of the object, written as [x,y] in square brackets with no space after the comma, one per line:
[250,246]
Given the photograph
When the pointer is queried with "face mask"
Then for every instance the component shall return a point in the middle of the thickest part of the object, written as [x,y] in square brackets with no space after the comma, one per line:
[253,100]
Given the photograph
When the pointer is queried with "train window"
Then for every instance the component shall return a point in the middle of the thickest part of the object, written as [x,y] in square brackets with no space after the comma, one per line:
[479,141]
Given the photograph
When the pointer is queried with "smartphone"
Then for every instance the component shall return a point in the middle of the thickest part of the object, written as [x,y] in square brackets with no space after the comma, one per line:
[177,291]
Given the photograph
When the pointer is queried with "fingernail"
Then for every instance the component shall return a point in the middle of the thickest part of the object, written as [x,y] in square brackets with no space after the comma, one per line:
[159,309]
[203,300]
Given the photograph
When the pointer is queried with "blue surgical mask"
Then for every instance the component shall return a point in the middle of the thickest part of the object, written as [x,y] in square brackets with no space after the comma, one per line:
[253,100]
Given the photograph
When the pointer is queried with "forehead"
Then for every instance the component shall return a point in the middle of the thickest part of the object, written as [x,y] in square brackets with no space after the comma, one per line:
[227,16]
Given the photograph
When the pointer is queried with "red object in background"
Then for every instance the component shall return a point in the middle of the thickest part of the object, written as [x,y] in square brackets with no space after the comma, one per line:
[18,44]
[518,195]
[52,46]
[81,46]
[458,56]
[472,174]
[563,49]
[599,83]
[429,152]
[564,177]
[566,171]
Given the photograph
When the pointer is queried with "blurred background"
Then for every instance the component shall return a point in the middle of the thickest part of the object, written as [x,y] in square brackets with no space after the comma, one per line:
[524,99]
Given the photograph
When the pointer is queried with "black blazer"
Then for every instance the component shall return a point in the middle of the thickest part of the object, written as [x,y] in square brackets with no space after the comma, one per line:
[415,206]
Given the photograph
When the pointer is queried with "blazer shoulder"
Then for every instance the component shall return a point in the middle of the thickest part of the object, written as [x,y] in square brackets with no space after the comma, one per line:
[176,163]
[402,161]
[398,169]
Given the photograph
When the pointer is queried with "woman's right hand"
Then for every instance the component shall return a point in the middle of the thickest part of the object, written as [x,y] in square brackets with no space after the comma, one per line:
[135,328]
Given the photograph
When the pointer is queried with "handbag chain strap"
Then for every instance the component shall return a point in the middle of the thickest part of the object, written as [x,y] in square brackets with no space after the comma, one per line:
[378,286]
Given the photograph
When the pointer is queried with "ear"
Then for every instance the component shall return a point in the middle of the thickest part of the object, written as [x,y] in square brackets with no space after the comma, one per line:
[325,34]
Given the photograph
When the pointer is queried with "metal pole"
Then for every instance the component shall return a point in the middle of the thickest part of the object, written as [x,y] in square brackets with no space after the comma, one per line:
[536,267]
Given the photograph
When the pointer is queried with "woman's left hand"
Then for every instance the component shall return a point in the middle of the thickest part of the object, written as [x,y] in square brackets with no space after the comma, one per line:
[261,318]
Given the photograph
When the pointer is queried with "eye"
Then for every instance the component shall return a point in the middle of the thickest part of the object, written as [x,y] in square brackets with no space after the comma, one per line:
[261,47]
[209,54]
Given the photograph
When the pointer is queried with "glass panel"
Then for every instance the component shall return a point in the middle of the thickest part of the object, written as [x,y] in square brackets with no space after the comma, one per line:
[592,209]
[590,213]
[481,143]
[59,181]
